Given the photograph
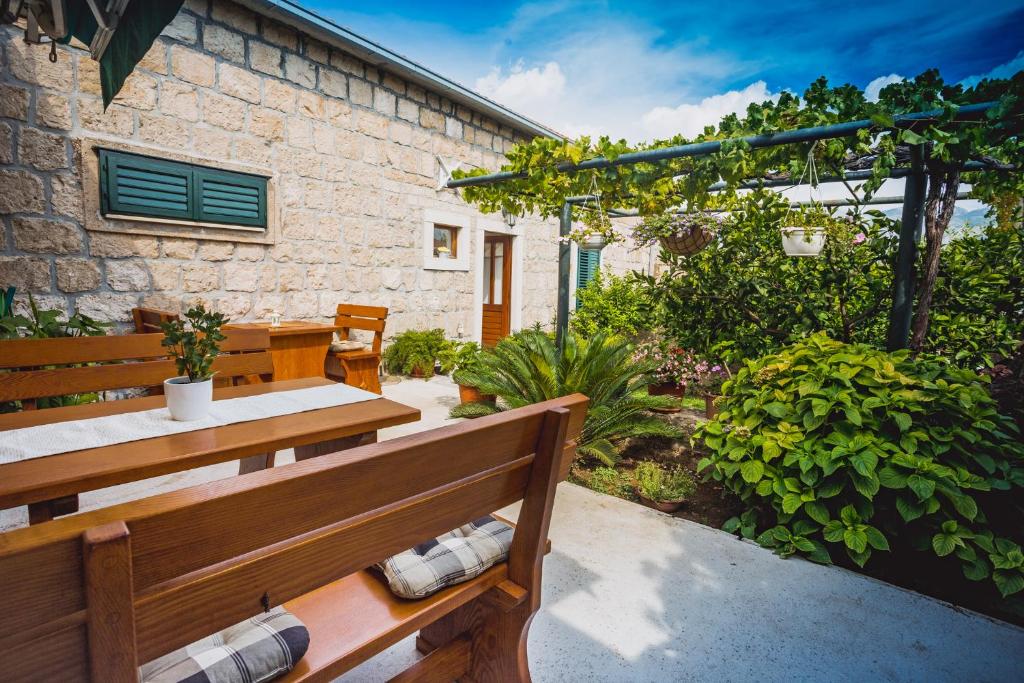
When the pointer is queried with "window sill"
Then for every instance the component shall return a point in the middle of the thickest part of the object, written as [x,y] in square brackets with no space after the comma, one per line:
[435,263]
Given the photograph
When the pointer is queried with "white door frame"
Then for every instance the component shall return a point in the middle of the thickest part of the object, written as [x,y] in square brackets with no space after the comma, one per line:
[485,225]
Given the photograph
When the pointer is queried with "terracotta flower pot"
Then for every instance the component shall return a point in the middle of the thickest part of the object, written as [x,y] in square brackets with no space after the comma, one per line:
[469,394]
[667,506]
[417,372]
[666,389]
[710,409]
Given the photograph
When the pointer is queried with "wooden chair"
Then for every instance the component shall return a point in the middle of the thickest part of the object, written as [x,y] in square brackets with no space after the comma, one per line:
[40,368]
[358,368]
[148,320]
[88,598]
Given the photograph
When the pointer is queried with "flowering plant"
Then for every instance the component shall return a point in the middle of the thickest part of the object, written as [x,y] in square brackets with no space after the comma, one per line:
[673,365]
[711,376]
[653,228]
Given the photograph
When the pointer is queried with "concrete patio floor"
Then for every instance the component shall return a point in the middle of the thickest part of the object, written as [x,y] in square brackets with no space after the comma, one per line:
[631,594]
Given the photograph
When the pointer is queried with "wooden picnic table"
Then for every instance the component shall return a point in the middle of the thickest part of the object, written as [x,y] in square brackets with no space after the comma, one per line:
[44,482]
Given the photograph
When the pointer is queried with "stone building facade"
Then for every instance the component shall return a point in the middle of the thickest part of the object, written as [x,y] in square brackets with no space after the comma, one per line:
[352,153]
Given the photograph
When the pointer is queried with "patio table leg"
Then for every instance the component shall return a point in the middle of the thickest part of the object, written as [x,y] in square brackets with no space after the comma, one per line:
[334,445]
[46,510]
[255,463]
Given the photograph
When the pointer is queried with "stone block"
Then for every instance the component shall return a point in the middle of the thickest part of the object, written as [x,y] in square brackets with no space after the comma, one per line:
[212,142]
[300,133]
[339,113]
[333,83]
[250,252]
[279,95]
[20,191]
[317,51]
[163,130]
[234,306]
[234,16]
[77,275]
[279,34]
[13,102]
[221,41]
[200,277]
[252,151]
[155,60]
[300,70]
[240,277]
[52,111]
[116,120]
[311,104]
[43,236]
[113,245]
[290,278]
[6,144]
[25,272]
[384,101]
[115,308]
[408,110]
[182,249]
[66,196]
[347,63]
[179,100]
[189,65]
[165,276]
[302,305]
[239,82]
[371,124]
[265,58]
[42,150]
[183,28]
[360,92]
[216,251]
[269,305]
[127,276]
[433,120]
[31,63]
[223,111]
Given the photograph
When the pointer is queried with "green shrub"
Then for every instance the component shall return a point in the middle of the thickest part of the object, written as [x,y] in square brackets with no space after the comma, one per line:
[418,350]
[847,447]
[655,482]
[461,356]
[613,304]
[608,480]
[527,368]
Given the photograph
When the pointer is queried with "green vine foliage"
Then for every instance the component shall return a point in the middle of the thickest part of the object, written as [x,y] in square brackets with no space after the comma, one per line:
[841,447]
[653,187]
[743,290]
[419,352]
[619,304]
[195,342]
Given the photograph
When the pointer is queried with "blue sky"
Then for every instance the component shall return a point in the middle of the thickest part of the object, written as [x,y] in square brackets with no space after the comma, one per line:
[650,69]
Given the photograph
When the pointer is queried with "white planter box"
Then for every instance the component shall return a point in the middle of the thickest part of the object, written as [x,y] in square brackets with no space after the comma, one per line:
[186,400]
[803,241]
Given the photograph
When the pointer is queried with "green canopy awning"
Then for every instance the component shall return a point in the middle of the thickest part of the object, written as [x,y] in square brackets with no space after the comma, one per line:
[139,26]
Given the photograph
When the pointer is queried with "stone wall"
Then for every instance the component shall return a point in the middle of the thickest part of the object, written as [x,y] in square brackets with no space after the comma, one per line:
[351,150]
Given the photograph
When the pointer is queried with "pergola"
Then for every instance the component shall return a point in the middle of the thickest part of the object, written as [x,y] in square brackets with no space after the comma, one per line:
[913,199]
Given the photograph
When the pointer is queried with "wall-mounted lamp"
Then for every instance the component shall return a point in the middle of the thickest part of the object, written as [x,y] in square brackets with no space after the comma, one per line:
[510,218]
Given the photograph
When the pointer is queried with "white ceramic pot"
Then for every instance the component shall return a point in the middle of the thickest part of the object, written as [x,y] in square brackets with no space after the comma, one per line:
[803,241]
[444,254]
[594,242]
[186,400]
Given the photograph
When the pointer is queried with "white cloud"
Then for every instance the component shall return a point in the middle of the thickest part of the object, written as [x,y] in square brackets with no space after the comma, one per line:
[689,120]
[875,87]
[522,87]
[1002,71]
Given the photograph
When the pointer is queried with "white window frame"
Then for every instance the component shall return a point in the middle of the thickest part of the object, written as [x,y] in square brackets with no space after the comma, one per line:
[448,219]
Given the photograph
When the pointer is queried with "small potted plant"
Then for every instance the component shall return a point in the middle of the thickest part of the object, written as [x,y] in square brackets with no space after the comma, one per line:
[710,378]
[465,358]
[194,342]
[680,234]
[661,488]
[804,231]
[674,369]
[444,253]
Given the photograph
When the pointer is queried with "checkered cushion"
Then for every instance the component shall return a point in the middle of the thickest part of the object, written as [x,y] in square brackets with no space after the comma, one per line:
[256,650]
[457,556]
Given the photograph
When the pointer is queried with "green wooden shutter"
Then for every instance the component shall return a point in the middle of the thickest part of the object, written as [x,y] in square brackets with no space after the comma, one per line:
[588,263]
[135,185]
[236,198]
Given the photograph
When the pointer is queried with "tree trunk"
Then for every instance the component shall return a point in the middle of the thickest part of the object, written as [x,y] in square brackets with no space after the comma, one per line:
[943,185]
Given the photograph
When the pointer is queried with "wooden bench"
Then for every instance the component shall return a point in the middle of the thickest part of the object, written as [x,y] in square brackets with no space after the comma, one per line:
[149,320]
[90,597]
[359,368]
[40,368]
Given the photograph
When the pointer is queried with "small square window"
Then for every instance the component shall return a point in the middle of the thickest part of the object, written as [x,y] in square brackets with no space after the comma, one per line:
[446,242]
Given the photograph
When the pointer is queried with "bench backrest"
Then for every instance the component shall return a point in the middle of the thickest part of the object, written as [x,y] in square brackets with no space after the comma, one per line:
[73,365]
[132,582]
[149,320]
[356,317]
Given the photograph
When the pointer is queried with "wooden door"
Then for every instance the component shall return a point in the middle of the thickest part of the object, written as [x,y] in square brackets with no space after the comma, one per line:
[497,282]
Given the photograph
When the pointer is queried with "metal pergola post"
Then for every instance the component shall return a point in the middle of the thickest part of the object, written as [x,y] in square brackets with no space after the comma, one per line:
[564,263]
[914,196]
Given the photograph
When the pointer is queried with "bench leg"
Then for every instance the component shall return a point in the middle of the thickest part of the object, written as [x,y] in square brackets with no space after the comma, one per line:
[255,463]
[46,510]
[314,450]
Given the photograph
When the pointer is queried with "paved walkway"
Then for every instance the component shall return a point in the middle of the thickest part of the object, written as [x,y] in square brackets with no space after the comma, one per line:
[634,595]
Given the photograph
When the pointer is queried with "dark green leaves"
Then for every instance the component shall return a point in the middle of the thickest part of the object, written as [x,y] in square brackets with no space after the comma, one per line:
[195,341]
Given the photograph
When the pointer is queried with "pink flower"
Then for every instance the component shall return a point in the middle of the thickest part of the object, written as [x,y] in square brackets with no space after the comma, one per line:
[859,238]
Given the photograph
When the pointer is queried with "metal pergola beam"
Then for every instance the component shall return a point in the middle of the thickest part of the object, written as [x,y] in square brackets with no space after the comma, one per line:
[913,199]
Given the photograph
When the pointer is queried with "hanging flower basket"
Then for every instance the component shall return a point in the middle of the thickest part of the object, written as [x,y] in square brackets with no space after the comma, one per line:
[803,241]
[680,234]
[594,243]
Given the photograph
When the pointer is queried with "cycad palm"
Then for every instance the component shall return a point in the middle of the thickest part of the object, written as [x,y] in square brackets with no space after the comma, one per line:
[527,368]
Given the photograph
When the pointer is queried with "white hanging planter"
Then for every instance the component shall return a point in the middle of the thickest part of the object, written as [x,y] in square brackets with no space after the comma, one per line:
[803,241]
[187,400]
[594,243]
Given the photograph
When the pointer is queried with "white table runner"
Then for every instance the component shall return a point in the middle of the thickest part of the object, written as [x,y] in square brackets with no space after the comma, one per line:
[63,437]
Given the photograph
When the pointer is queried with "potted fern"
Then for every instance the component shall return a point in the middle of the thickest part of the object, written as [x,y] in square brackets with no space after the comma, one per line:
[663,489]
[194,342]
[417,352]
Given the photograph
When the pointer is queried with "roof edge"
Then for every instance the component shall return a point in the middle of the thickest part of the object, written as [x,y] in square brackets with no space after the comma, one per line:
[330,32]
